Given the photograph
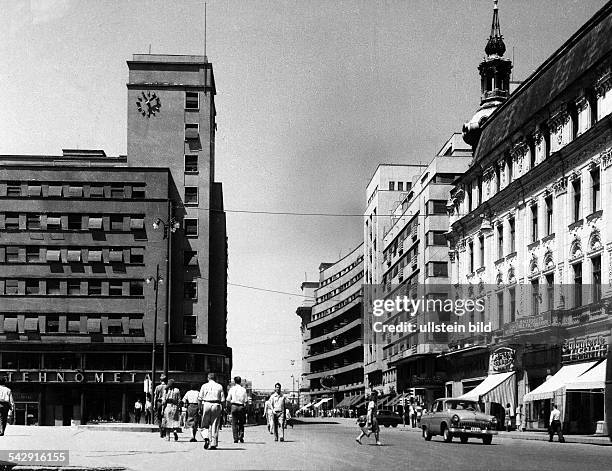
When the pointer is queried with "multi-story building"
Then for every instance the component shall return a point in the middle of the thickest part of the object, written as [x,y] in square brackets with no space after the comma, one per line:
[387,188]
[531,236]
[304,312]
[415,264]
[333,341]
[102,257]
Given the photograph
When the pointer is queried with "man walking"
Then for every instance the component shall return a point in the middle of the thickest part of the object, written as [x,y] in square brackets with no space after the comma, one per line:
[211,397]
[6,404]
[137,411]
[237,399]
[158,398]
[555,425]
[268,415]
[147,410]
[278,405]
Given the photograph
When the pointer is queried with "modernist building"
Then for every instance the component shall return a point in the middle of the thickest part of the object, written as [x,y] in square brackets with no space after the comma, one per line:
[415,264]
[98,252]
[532,237]
[332,336]
[387,188]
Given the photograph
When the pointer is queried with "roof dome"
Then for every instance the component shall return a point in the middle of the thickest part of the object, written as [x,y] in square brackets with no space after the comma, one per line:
[495,46]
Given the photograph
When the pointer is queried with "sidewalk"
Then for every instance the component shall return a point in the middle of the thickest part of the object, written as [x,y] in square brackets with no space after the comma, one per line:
[540,436]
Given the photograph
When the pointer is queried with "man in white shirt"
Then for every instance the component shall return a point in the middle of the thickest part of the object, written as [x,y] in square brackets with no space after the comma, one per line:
[237,400]
[191,404]
[555,425]
[211,397]
[278,405]
[6,404]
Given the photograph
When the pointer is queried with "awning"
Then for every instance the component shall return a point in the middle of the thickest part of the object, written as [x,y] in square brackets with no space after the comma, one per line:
[356,399]
[115,255]
[595,378]
[74,255]
[567,374]
[53,255]
[10,324]
[498,388]
[94,256]
[93,325]
[320,403]
[31,324]
[55,190]
[344,402]
[191,133]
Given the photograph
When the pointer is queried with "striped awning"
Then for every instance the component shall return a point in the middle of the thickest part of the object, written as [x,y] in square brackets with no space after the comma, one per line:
[94,256]
[54,221]
[34,190]
[55,190]
[74,255]
[94,325]
[96,191]
[115,255]
[10,324]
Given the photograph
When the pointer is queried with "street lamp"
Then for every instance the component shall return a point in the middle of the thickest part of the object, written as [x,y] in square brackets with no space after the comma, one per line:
[168,227]
[156,282]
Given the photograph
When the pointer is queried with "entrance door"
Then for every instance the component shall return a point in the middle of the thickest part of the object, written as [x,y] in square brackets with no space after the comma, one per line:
[26,413]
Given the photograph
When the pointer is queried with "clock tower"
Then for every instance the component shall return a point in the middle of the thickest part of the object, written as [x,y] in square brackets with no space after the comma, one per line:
[171,124]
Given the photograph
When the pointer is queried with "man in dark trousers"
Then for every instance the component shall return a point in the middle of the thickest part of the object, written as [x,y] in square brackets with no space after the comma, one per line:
[237,399]
[158,397]
[555,425]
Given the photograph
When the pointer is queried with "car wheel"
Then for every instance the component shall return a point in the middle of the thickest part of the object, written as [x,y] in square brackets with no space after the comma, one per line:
[386,425]
[394,425]
[426,434]
[463,438]
[447,435]
[487,439]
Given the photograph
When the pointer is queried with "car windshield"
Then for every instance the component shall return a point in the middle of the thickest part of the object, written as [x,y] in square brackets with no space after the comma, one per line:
[463,405]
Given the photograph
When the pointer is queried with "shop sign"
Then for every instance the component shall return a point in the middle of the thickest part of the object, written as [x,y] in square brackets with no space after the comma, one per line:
[584,348]
[502,360]
[528,324]
[74,376]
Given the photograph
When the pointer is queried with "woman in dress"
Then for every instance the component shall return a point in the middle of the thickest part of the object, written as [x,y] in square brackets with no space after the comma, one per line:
[371,424]
[170,421]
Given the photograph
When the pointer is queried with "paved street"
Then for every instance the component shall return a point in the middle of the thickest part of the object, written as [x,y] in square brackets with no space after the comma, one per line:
[309,446]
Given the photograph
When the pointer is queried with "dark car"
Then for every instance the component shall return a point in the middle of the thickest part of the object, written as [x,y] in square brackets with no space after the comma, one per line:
[387,417]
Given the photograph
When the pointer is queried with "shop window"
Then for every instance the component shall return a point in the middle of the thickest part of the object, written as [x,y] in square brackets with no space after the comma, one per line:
[138,361]
[10,360]
[62,361]
[104,361]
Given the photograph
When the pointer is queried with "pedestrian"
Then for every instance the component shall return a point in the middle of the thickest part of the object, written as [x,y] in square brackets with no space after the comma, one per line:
[268,415]
[158,398]
[211,397]
[419,414]
[370,425]
[137,411]
[519,418]
[288,419]
[148,410]
[508,416]
[237,400]
[412,412]
[278,405]
[7,405]
[171,403]
[555,425]
[190,402]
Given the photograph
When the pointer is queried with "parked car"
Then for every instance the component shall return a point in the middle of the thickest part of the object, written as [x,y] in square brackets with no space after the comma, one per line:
[388,418]
[458,418]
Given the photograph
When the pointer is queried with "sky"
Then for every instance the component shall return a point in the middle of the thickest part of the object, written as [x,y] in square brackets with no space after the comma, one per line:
[311,97]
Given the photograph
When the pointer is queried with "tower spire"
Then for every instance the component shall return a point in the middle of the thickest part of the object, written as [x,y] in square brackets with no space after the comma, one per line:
[495,46]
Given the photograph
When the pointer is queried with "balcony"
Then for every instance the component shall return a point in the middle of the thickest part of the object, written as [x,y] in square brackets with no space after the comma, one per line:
[335,371]
[338,350]
[335,332]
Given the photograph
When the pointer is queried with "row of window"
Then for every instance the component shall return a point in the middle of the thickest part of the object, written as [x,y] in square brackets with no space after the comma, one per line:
[41,254]
[343,272]
[335,307]
[114,324]
[12,221]
[399,186]
[18,189]
[340,288]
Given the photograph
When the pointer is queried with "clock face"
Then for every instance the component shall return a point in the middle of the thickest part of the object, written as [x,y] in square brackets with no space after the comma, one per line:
[148,104]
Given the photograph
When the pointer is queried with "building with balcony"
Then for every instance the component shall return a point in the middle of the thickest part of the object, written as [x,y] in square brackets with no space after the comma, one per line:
[333,337]
[415,264]
[97,252]
[531,236]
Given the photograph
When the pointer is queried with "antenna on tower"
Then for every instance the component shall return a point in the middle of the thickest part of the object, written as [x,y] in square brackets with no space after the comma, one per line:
[205,58]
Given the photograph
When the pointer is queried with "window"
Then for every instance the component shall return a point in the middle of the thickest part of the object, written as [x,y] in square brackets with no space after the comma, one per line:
[191,290]
[115,288]
[74,287]
[117,191]
[549,215]
[190,325]
[481,243]
[191,195]
[96,191]
[532,154]
[115,326]
[550,291]
[11,287]
[437,269]
[500,309]
[436,207]
[191,227]
[190,258]
[138,193]
[400,186]
[53,327]
[391,186]
[192,131]
[75,191]
[33,221]
[509,165]
[53,287]
[116,222]
[437,238]
[469,198]
[32,287]
[73,255]
[94,288]
[595,190]
[11,221]
[534,223]
[512,235]
[596,286]
[192,101]
[577,284]
[136,288]
[500,241]
[32,254]
[471,256]
[13,190]
[54,222]
[73,324]
[12,254]
[191,163]
[512,292]
[535,297]
[577,213]
[136,255]
[75,222]
[479,190]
